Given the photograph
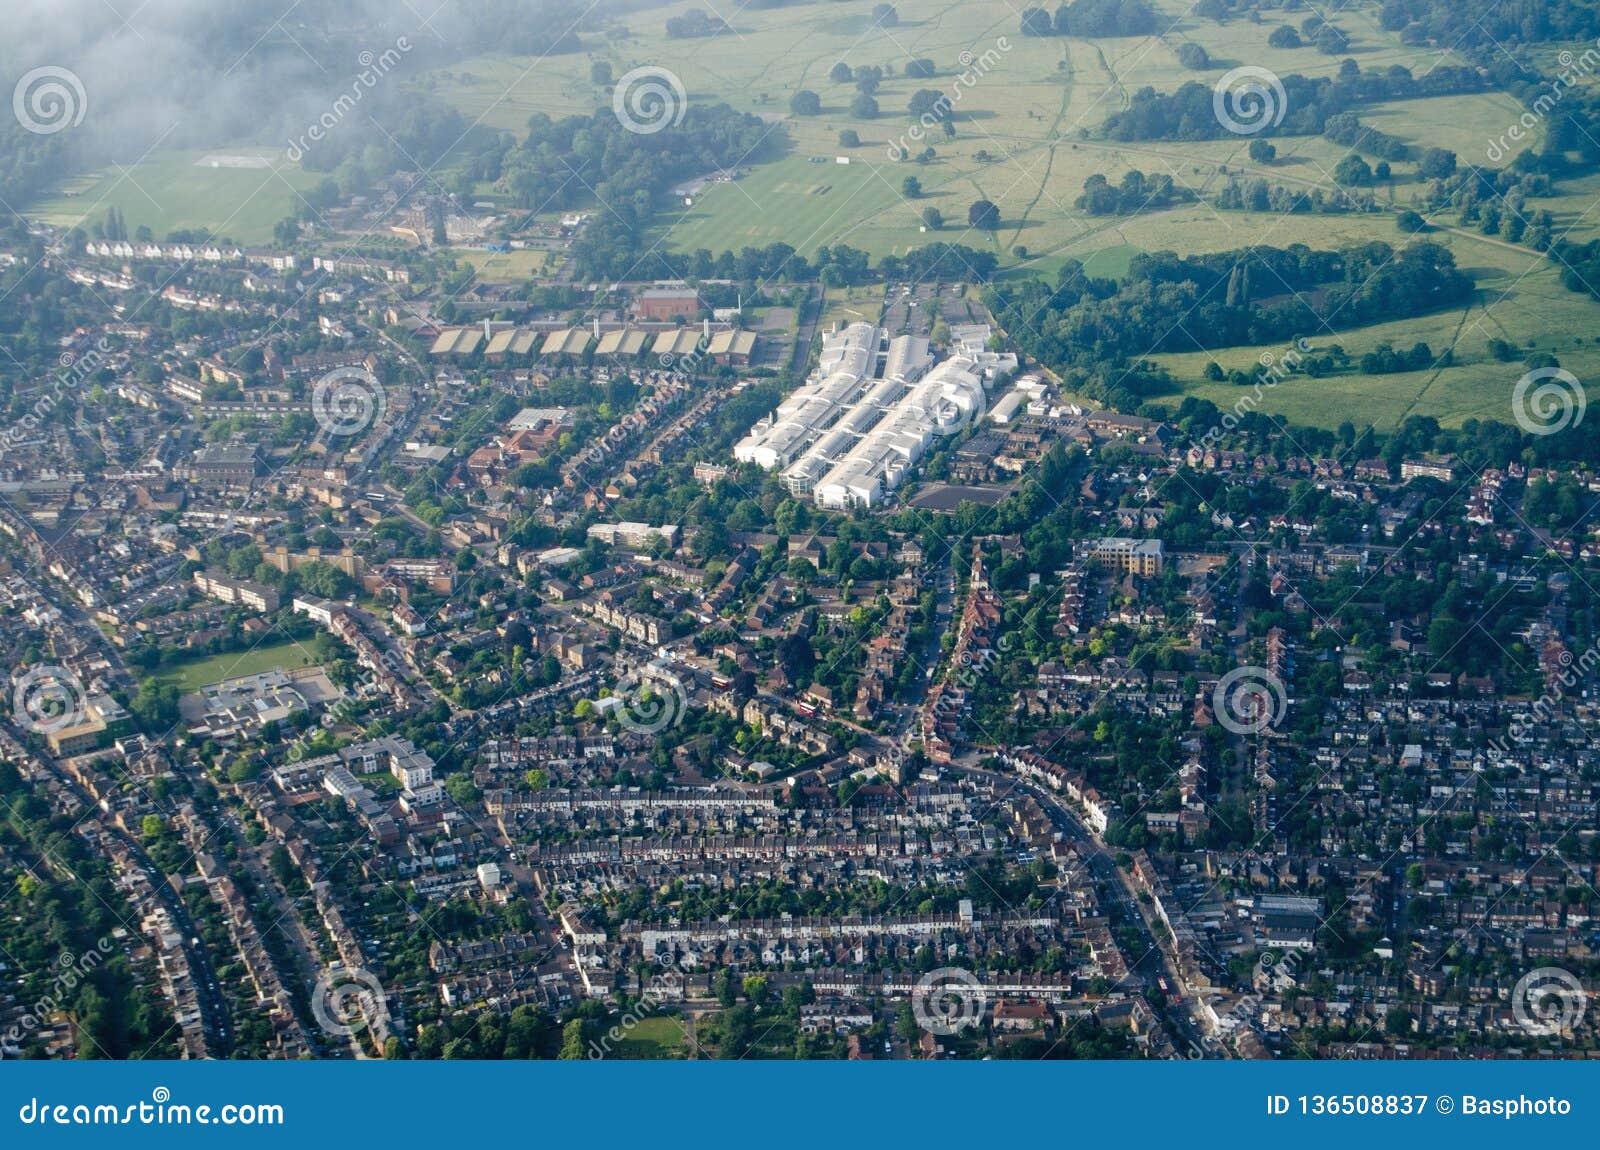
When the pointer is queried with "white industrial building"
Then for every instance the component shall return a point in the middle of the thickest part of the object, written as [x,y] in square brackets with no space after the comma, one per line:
[870,412]
[844,369]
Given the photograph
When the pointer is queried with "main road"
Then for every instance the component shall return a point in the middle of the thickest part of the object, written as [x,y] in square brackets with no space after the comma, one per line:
[1122,896]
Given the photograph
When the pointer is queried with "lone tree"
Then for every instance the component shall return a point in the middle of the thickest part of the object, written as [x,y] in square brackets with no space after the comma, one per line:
[911,187]
[1037,22]
[1262,152]
[932,219]
[931,103]
[864,107]
[840,73]
[984,216]
[805,102]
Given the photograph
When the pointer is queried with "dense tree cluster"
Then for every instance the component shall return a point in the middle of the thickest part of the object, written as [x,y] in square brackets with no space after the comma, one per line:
[1092,18]
[561,160]
[1489,23]
[57,937]
[1258,195]
[1345,129]
[1260,295]
[696,23]
[1135,193]
[1385,360]
[1308,102]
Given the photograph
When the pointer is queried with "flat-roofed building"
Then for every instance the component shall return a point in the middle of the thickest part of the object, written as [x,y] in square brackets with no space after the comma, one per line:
[665,303]
[1135,556]
[226,465]
[843,373]
[244,592]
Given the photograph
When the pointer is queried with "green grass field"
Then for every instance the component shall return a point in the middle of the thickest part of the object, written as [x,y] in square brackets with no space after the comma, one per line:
[200,673]
[1026,103]
[1520,299]
[504,267]
[172,190]
[653,1038]
[1027,115]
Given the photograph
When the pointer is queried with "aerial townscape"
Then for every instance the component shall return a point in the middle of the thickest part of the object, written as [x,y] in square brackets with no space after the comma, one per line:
[840,530]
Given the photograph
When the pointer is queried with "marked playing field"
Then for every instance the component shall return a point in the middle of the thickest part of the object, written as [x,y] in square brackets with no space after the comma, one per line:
[172,190]
[1023,140]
